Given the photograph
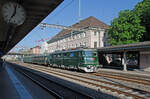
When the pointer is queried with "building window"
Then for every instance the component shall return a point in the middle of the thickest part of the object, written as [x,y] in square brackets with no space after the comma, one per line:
[84,43]
[80,34]
[95,44]
[104,34]
[80,44]
[84,34]
[95,33]
[74,36]
[76,45]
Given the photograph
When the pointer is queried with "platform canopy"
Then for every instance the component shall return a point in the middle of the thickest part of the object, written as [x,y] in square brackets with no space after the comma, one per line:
[141,46]
[36,11]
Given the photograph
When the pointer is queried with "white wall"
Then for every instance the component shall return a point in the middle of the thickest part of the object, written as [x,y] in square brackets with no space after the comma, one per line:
[144,59]
[85,38]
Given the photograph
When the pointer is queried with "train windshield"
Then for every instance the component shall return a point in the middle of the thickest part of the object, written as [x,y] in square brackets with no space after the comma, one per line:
[89,53]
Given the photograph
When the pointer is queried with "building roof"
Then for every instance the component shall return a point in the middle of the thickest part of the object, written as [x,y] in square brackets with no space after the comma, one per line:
[88,22]
[37,47]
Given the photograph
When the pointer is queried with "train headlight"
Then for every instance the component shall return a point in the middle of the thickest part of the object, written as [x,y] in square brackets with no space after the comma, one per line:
[88,67]
[93,59]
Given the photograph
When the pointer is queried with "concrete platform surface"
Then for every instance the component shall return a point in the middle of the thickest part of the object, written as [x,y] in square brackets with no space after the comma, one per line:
[13,85]
[145,73]
[7,90]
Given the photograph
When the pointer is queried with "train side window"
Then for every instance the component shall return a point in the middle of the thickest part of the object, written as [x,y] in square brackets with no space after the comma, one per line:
[68,54]
[72,55]
[76,54]
[53,56]
[59,55]
[80,54]
[65,54]
[50,56]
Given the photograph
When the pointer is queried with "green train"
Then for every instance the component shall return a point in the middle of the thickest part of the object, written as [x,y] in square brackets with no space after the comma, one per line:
[81,59]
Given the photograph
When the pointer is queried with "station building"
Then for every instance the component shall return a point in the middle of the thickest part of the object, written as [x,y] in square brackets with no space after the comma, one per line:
[142,49]
[94,36]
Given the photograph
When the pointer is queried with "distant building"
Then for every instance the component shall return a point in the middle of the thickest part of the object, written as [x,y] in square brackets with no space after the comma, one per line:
[44,48]
[23,50]
[35,50]
[95,36]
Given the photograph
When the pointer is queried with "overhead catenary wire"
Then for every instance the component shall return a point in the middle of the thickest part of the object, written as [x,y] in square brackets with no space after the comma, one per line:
[61,10]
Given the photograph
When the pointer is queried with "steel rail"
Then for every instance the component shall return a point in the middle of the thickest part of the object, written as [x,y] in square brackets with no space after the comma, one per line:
[133,76]
[112,89]
[135,80]
[41,85]
[101,86]
[54,93]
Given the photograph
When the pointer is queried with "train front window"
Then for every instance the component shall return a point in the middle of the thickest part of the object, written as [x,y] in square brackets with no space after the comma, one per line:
[87,53]
[90,53]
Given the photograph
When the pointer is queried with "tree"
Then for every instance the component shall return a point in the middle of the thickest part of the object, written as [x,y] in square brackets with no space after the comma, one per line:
[143,11]
[126,28]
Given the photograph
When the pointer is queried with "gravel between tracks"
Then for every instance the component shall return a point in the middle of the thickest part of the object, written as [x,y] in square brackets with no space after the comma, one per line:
[76,86]
[96,77]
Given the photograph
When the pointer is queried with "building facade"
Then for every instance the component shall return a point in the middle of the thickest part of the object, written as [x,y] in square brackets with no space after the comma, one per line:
[144,59]
[94,36]
[35,50]
[44,48]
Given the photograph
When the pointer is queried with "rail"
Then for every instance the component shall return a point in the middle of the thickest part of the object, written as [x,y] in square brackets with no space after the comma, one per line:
[45,82]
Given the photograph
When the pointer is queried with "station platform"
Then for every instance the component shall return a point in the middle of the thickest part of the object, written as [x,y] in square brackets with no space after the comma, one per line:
[136,72]
[7,89]
[13,85]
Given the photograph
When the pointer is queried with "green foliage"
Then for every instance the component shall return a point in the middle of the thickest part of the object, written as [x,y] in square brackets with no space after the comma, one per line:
[142,7]
[143,11]
[131,26]
[126,28]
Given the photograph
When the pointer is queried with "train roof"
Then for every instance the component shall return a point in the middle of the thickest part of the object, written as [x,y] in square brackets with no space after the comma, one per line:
[37,55]
[75,50]
[71,50]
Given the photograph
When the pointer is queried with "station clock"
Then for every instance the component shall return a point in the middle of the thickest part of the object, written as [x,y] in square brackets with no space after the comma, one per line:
[13,13]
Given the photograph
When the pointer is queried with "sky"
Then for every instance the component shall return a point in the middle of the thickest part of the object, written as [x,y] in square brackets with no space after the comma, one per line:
[67,14]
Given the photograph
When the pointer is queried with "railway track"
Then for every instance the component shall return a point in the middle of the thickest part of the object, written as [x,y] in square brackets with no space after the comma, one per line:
[57,90]
[124,78]
[132,76]
[104,86]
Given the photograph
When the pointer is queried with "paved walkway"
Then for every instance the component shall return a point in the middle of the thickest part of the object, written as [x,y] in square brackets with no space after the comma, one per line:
[7,90]
[145,72]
